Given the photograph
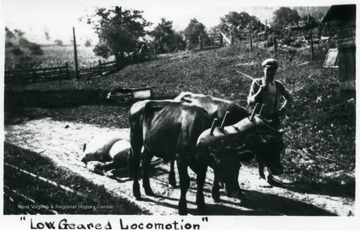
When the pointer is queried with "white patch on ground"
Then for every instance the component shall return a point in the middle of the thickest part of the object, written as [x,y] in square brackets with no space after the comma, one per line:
[63,142]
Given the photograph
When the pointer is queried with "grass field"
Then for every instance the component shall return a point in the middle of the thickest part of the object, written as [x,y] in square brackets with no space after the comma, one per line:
[320,135]
[54,56]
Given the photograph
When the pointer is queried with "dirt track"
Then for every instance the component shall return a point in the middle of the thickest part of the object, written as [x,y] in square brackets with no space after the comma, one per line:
[62,142]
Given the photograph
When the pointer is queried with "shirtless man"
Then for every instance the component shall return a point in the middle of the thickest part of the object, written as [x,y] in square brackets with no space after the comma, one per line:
[271,93]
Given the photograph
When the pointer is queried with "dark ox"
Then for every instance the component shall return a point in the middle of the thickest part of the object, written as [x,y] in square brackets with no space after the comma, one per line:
[170,130]
[267,144]
[217,108]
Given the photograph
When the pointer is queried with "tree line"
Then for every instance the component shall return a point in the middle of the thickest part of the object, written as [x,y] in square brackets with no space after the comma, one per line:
[123,33]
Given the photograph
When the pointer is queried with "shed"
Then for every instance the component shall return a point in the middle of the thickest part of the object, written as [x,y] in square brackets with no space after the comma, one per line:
[346,15]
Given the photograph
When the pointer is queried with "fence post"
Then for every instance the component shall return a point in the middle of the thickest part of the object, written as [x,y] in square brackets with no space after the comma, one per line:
[67,70]
[312,45]
[100,68]
[250,41]
[275,43]
[75,55]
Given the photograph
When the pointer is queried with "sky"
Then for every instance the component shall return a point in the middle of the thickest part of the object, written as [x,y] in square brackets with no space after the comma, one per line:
[58,17]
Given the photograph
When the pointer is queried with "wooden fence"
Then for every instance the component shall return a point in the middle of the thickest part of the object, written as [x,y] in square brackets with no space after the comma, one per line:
[100,70]
[37,75]
[57,73]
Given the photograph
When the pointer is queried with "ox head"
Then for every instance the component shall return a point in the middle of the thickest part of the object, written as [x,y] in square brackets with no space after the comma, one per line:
[225,161]
[268,149]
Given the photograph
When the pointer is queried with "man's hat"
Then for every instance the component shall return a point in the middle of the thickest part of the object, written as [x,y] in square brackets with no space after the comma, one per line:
[270,63]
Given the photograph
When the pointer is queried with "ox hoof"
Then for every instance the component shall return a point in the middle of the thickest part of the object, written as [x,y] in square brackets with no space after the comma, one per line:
[149,192]
[183,212]
[201,209]
[172,183]
[216,199]
[264,183]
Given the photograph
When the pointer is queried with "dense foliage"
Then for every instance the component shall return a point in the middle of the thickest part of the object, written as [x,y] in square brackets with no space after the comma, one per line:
[283,17]
[166,39]
[120,31]
[235,23]
[195,34]
[17,45]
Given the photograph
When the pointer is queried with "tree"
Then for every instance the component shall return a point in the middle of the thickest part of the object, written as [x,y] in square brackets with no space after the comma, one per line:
[88,43]
[165,38]
[195,34]
[119,31]
[9,34]
[283,17]
[59,42]
[19,33]
[235,24]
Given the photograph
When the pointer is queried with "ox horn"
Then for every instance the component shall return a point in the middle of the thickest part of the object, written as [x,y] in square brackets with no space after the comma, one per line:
[223,121]
[262,106]
[213,126]
[253,113]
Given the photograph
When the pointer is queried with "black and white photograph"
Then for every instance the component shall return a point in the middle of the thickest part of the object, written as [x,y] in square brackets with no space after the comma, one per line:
[178,115]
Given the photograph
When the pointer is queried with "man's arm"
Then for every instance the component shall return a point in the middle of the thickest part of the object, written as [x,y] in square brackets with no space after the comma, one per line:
[255,92]
[288,98]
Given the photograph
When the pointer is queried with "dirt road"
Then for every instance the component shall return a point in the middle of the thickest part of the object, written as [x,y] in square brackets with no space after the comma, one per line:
[62,142]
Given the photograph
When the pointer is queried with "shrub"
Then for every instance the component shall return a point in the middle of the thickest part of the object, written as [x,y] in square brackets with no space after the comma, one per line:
[17,51]
[35,49]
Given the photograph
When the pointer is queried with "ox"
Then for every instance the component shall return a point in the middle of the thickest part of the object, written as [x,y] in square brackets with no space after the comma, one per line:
[170,130]
[217,108]
[266,144]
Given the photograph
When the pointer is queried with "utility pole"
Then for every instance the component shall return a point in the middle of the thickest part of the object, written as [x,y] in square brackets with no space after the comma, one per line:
[75,54]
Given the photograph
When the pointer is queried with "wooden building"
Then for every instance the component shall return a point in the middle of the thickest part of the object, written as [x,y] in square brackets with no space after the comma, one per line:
[346,15]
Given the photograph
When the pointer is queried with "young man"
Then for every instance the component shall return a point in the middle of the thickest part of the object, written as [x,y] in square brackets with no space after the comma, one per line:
[270,93]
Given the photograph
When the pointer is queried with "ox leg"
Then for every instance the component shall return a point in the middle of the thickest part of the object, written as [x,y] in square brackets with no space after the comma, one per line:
[215,192]
[263,181]
[201,176]
[172,180]
[261,170]
[184,184]
[200,171]
[134,161]
[145,167]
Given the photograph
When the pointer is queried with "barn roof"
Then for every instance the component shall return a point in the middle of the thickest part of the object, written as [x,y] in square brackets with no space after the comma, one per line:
[340,12]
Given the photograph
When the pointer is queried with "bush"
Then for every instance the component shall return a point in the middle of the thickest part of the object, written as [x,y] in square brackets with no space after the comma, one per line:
[59,42]
[88,43]
[17,51]
[24,42]
[35,49]
[9,45]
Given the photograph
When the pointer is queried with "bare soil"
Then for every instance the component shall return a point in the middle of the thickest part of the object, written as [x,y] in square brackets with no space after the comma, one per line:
[62,142]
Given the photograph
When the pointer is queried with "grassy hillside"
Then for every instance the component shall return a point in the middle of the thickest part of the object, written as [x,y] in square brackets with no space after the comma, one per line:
[320,127]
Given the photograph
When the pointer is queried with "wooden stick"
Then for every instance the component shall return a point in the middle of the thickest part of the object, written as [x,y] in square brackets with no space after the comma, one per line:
[248,76]
[213,126]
